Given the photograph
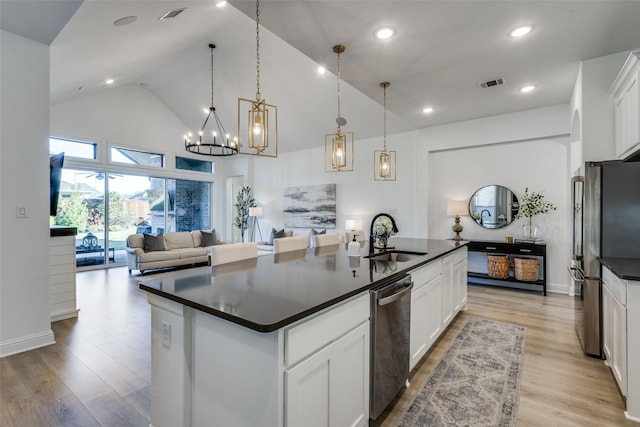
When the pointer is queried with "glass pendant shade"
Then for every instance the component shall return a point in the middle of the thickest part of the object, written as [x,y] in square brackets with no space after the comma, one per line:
[338,146]
[257,120]
[384,161]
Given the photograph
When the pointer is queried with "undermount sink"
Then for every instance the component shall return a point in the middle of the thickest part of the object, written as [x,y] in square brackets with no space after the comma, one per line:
[397,256]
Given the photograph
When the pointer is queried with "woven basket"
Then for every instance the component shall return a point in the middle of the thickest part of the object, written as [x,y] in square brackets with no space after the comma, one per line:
[525,269]
[498,266]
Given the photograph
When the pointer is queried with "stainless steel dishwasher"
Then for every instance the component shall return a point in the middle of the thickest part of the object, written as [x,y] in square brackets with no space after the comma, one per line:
[390,317]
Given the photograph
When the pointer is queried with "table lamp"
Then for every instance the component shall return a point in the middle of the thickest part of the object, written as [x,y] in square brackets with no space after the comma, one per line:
[457,208]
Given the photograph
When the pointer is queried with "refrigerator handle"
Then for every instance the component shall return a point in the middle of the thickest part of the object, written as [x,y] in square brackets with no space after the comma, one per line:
[572,272]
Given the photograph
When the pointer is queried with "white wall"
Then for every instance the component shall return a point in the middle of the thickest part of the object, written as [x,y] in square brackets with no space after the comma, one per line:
[358,196]
[540,165]
[24,179]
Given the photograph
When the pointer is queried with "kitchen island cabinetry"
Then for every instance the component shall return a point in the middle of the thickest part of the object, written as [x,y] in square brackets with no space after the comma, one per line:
[439,293]
[267,343]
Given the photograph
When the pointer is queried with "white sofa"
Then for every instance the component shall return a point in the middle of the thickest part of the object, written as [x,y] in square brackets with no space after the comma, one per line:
[181,248]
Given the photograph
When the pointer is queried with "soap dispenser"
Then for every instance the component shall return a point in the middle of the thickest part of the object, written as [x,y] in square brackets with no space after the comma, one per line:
[354,247]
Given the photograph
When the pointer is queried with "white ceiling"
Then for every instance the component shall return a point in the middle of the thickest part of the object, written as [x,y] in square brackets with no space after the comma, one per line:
[441,51]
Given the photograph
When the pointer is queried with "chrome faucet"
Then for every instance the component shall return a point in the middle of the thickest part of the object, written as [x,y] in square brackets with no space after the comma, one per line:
[481,215]
[394,228]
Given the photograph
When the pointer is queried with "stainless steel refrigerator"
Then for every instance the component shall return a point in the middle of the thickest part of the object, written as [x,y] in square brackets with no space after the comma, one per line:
[606,223]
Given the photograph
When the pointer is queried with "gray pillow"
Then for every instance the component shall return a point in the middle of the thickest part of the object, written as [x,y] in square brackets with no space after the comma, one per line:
[315,233]
[208,238]
[153,242]
[274,235]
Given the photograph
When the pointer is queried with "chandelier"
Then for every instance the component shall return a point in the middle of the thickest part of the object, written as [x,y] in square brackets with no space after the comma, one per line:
[219,144]
[384,161]
[338,146]
[257,120]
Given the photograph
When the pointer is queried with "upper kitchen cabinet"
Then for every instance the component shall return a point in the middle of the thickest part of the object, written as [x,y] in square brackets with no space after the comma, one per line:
[627,107]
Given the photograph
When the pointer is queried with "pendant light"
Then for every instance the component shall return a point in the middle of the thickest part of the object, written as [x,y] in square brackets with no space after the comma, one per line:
[219,144]
[384,161]
[338,146]
[257,120]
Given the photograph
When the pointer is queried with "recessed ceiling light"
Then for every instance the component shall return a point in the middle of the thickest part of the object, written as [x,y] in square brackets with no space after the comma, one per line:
[109,81]
[526,89]
[384,33]
[125,21]
[221,4]
[521,31]
[321,69]
[427,110]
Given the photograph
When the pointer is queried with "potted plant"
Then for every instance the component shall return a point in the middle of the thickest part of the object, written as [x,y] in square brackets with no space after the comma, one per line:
[531,205]
[244,201]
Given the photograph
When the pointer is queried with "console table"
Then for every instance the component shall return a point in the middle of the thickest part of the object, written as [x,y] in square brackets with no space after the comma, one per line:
[526,250]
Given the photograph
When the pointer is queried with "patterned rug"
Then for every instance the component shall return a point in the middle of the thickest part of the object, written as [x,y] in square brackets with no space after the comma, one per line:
[477,381]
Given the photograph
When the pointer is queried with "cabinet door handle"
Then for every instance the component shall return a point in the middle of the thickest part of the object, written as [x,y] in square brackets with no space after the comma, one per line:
[491,248]
[525,250]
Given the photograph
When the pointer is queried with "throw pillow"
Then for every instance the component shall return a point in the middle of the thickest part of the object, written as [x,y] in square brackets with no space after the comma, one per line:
[208,238]
[315,233]
[275,235]
[153,242]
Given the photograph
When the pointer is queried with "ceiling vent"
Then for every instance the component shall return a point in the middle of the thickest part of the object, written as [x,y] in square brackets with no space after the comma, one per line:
[172,13]
[495,82]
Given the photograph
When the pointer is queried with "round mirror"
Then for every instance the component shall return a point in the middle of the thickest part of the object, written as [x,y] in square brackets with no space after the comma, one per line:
[493,206]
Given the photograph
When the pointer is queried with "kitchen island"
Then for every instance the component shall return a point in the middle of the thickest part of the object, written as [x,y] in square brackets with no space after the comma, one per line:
[263,342]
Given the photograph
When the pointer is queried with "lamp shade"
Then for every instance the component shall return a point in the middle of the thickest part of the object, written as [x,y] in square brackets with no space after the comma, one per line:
[457,208]
[353,224]
[256,211]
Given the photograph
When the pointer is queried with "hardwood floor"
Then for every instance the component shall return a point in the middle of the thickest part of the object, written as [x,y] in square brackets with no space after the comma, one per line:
[98,372]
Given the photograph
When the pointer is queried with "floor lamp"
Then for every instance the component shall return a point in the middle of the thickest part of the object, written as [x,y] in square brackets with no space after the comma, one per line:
[255,212]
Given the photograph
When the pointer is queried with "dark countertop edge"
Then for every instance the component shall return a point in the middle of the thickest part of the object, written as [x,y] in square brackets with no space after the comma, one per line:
[624,268]
[265,328]
[59,231]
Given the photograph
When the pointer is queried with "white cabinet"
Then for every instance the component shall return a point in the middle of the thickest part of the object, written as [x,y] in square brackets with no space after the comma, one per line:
[426,302]
[331,387]
[439,293]
[627,107]
[614,325]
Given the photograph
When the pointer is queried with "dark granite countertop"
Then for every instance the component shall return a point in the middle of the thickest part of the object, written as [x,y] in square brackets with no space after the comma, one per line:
[61,231]
[272,291]
[624,268]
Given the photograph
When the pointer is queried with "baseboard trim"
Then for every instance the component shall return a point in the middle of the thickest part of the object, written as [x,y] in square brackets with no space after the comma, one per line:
[26,343]
[631,418]
[64,315]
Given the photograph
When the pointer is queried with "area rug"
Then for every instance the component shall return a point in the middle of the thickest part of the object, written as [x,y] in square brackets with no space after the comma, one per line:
[477,381]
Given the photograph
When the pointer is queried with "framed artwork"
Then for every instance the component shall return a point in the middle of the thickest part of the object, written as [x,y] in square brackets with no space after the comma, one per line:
[311,206]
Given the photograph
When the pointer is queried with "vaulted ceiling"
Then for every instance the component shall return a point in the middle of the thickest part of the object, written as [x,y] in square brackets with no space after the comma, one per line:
[439,54]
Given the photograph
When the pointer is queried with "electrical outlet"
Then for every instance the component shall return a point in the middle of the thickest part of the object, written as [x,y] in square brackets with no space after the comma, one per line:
[166,335]
[22,211]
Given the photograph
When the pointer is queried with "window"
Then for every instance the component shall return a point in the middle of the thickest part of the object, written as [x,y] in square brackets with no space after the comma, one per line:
[195,165]
[79,149]
[134,157]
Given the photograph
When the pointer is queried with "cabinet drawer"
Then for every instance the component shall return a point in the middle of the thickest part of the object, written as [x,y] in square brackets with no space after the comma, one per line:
[309,336]
[616,285]
[458,255]
[426,273]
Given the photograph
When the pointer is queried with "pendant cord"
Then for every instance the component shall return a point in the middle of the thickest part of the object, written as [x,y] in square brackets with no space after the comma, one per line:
[339,116]
[384,87]
[257,50]
[211,76]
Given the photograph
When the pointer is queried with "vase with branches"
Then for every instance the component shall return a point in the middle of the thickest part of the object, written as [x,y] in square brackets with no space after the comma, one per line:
[244,201]
[531,205]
